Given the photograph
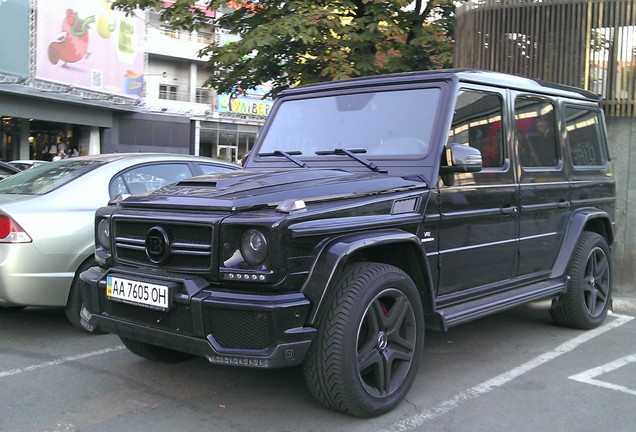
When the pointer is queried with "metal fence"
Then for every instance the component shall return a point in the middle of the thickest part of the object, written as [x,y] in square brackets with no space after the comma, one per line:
[584,43]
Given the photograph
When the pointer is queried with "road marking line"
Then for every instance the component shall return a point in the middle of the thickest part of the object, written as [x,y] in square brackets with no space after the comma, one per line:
[588,377]
[422,417]
[12,372]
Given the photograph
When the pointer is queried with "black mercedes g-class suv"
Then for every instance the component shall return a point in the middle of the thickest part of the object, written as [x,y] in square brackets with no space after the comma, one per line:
[368,209]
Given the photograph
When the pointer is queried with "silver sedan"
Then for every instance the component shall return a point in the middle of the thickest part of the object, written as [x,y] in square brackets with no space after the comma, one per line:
[47,217]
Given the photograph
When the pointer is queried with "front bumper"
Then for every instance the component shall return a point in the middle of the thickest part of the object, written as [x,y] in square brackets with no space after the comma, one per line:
[252,330]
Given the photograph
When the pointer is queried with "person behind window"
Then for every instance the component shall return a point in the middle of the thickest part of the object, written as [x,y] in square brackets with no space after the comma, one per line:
[540,144]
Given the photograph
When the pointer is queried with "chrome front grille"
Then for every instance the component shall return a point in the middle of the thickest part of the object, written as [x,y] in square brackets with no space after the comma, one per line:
[190,244]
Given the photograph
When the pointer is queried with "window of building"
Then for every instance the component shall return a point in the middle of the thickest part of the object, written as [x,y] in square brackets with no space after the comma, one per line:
[168,92]
[203,96]
[205,37]
[170,32]
[584,137]
[536,133]
[477,123]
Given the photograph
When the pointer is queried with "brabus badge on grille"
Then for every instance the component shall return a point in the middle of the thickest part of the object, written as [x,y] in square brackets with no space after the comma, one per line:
[157,245]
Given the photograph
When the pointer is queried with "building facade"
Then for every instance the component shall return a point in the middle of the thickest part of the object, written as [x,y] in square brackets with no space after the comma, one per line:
[75,74]
[175,78]
[584,43]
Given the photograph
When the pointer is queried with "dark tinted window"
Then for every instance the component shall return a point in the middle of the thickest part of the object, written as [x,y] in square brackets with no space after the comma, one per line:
[536,133]
[584,137]
[477,123]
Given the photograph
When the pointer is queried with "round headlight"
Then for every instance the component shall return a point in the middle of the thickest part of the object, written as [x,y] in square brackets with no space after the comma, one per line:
[254,246]
[103,233]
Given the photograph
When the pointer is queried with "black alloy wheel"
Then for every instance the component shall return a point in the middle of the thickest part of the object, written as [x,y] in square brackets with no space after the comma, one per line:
[369,342]
[588,298]
[386,343]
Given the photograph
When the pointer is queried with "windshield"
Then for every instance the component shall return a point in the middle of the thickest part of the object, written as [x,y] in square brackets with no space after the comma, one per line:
[44,178]
[386,123]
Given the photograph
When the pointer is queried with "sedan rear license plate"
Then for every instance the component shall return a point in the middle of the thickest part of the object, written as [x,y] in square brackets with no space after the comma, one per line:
[137,292]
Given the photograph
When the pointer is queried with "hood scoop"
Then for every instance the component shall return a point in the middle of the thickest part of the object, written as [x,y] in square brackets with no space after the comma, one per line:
[204,184]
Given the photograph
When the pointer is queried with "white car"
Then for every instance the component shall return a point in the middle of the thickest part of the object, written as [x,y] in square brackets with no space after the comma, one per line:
[47,217]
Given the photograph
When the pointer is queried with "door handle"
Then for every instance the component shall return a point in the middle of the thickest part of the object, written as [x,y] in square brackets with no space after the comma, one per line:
[508,210]
[563,204]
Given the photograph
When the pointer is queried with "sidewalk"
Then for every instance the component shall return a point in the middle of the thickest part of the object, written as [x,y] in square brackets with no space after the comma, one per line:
[625,304]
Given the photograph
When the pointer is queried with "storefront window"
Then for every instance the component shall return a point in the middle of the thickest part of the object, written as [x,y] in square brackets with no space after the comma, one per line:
[227,148]
[7,137]
[226,141]
[208,139]
[246,142]
[46,140]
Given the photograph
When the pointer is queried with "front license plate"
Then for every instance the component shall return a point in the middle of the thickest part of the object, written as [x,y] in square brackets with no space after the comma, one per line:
[138,292]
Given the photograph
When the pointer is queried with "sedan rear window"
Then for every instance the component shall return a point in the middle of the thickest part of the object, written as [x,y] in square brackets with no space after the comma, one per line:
[45,178]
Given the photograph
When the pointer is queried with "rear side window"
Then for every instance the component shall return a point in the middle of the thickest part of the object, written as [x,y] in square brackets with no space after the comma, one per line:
[584,137]
[477,123]
[536,133]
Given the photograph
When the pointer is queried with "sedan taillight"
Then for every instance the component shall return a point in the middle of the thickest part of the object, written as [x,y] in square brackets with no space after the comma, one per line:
[12,232]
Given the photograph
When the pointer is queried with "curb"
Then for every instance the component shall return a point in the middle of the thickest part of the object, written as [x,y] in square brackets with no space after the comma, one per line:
[624,305]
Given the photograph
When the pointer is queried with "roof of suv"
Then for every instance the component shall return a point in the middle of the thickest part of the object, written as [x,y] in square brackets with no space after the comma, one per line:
[497,79]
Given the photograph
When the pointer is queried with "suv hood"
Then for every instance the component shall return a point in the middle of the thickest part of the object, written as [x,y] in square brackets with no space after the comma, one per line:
[245,189]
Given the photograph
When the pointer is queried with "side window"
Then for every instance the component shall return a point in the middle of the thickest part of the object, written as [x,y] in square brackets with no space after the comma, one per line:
[477,123]
[584,137]
[147,178]
[536,133]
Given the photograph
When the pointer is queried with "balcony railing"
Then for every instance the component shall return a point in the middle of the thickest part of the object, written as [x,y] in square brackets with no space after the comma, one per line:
[202,96]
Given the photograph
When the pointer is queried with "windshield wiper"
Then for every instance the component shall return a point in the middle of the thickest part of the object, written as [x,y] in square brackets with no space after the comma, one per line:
[351,154]
[289,155]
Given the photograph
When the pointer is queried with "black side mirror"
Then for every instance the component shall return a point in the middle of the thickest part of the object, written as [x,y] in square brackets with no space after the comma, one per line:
[463,159]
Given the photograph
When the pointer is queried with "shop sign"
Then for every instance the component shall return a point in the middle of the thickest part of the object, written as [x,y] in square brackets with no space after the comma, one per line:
[249,102]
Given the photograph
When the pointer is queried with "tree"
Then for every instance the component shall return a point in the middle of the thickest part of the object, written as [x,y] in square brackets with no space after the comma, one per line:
[292,42]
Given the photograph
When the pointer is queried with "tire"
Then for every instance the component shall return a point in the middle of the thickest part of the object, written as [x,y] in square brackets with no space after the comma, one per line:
[74,303]
[369,342]
[155,353]
[589,294]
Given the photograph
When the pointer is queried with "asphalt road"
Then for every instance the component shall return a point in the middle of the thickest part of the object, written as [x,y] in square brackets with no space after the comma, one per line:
[512,371]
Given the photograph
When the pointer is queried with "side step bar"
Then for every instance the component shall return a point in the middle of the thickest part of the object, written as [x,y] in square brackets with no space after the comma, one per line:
[483,306]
